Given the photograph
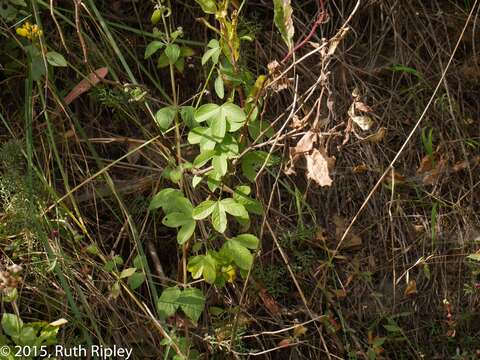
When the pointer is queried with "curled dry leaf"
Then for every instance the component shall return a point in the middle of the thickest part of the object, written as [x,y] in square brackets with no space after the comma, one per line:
[305,144]
[279,83]
[318,167]
[333,43]
[411,288]
[364,122]
[378,136]
[431,177]
[360,169]
[269,302]
[396,178]
[426,164]
[352,240]
[86,84]
[284,343]
[360,106]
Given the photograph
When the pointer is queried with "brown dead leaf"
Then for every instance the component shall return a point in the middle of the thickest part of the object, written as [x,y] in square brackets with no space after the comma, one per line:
[305,144]
[285,342]
[352,240]
[360,106]
[340,294]
[411,288]
[271,305]
[321,235]
[297,123]
[133,158]
[397,178]
[378,136]
[86,84]
[426,164]
[279,84]
[360,169]
[318,167]
[460,166]
[69,133]
[333,43]
[432,176]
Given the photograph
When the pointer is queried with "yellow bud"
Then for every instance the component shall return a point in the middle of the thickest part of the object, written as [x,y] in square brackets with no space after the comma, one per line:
[156,16]
[22,32]
[230,273]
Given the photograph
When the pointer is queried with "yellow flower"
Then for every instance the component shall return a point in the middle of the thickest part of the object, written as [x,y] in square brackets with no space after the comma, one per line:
[229,273]
[29,31]
[22,32]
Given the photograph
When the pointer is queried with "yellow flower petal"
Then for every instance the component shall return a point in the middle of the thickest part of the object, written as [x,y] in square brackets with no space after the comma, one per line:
[22,32]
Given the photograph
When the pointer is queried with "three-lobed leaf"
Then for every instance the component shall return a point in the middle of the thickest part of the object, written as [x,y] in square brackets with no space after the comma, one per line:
[190,300]
[203,265]
[237,249]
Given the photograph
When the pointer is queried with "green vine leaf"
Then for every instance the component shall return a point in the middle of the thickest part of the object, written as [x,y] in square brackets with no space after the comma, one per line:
[238,253]
[187,113]
[219,217]
[247,240]
[178,210]
[283,20]
[234,208]
[241,196]
[219,127]
[136,280]
[192,302]
[208,6]
[152,48]
[164,199]
[203,265]
[206,112]
[172,51]
[127,272]
[165,116]
[167,303]
[219,163]
[219,87]
[204,157]
[213,52]
[204,209]
[11,324]
[227,117]
[252,161]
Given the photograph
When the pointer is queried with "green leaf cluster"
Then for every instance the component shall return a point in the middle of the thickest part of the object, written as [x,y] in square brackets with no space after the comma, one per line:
[190,300]
[216,267]
[178,210]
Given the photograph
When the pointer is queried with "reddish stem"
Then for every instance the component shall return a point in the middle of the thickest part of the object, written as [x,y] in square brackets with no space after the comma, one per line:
[322,16]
